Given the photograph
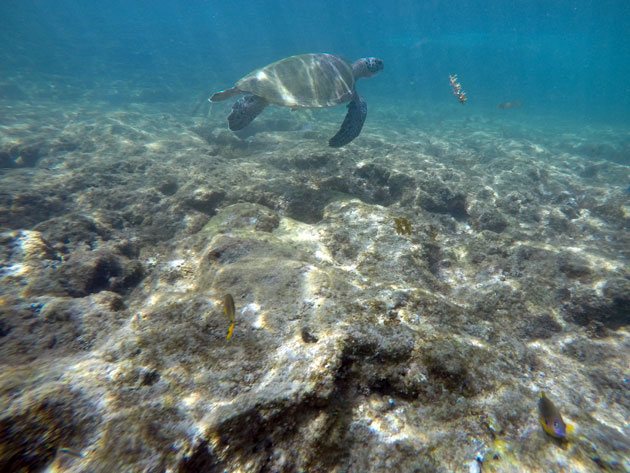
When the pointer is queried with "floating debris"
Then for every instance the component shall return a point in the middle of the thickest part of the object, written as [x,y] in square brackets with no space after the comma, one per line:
[457,89]
[228,308]
[403,225]
[550,418]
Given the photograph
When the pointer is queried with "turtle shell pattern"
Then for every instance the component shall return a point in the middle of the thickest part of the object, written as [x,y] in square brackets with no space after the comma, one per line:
[307,80]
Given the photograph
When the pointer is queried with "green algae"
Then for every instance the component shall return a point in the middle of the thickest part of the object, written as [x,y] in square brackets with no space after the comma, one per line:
[402,225]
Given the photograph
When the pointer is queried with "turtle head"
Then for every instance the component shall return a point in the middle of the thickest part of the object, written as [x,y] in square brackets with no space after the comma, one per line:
[367,67]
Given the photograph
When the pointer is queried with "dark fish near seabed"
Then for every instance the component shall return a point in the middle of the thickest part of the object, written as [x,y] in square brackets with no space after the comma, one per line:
[229,310]
[550,418]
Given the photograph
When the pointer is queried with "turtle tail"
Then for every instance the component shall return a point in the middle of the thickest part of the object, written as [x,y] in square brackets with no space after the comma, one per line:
[225,94]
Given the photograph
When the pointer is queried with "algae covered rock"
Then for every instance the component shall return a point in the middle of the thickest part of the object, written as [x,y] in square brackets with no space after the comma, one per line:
[88,272]
[611,308]
[398,305]
[243,216]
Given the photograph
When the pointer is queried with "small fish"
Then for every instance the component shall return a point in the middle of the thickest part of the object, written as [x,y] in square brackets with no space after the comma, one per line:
[72,453]
[228,309]
[550,418]
[457,89]
[509,105]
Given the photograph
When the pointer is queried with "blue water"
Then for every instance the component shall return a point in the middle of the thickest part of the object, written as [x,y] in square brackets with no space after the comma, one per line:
[559,58]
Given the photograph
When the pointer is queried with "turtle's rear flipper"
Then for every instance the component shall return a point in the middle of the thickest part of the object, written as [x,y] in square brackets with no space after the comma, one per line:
[352,124]
[225,94]
[245,110]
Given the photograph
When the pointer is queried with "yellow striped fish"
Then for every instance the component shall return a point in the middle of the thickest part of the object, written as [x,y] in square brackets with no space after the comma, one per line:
[550,418]
[228,309]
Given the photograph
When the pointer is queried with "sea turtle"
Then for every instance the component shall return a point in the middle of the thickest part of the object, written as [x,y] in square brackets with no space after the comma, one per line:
[304,81]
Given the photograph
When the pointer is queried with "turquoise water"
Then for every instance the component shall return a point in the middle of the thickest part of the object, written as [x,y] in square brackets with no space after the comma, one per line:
[568,59]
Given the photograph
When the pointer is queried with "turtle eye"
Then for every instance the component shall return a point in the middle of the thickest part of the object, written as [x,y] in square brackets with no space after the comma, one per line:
[374,64]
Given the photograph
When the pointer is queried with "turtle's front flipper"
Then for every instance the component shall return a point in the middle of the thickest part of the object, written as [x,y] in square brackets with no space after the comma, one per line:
[245,110]
[352,124]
